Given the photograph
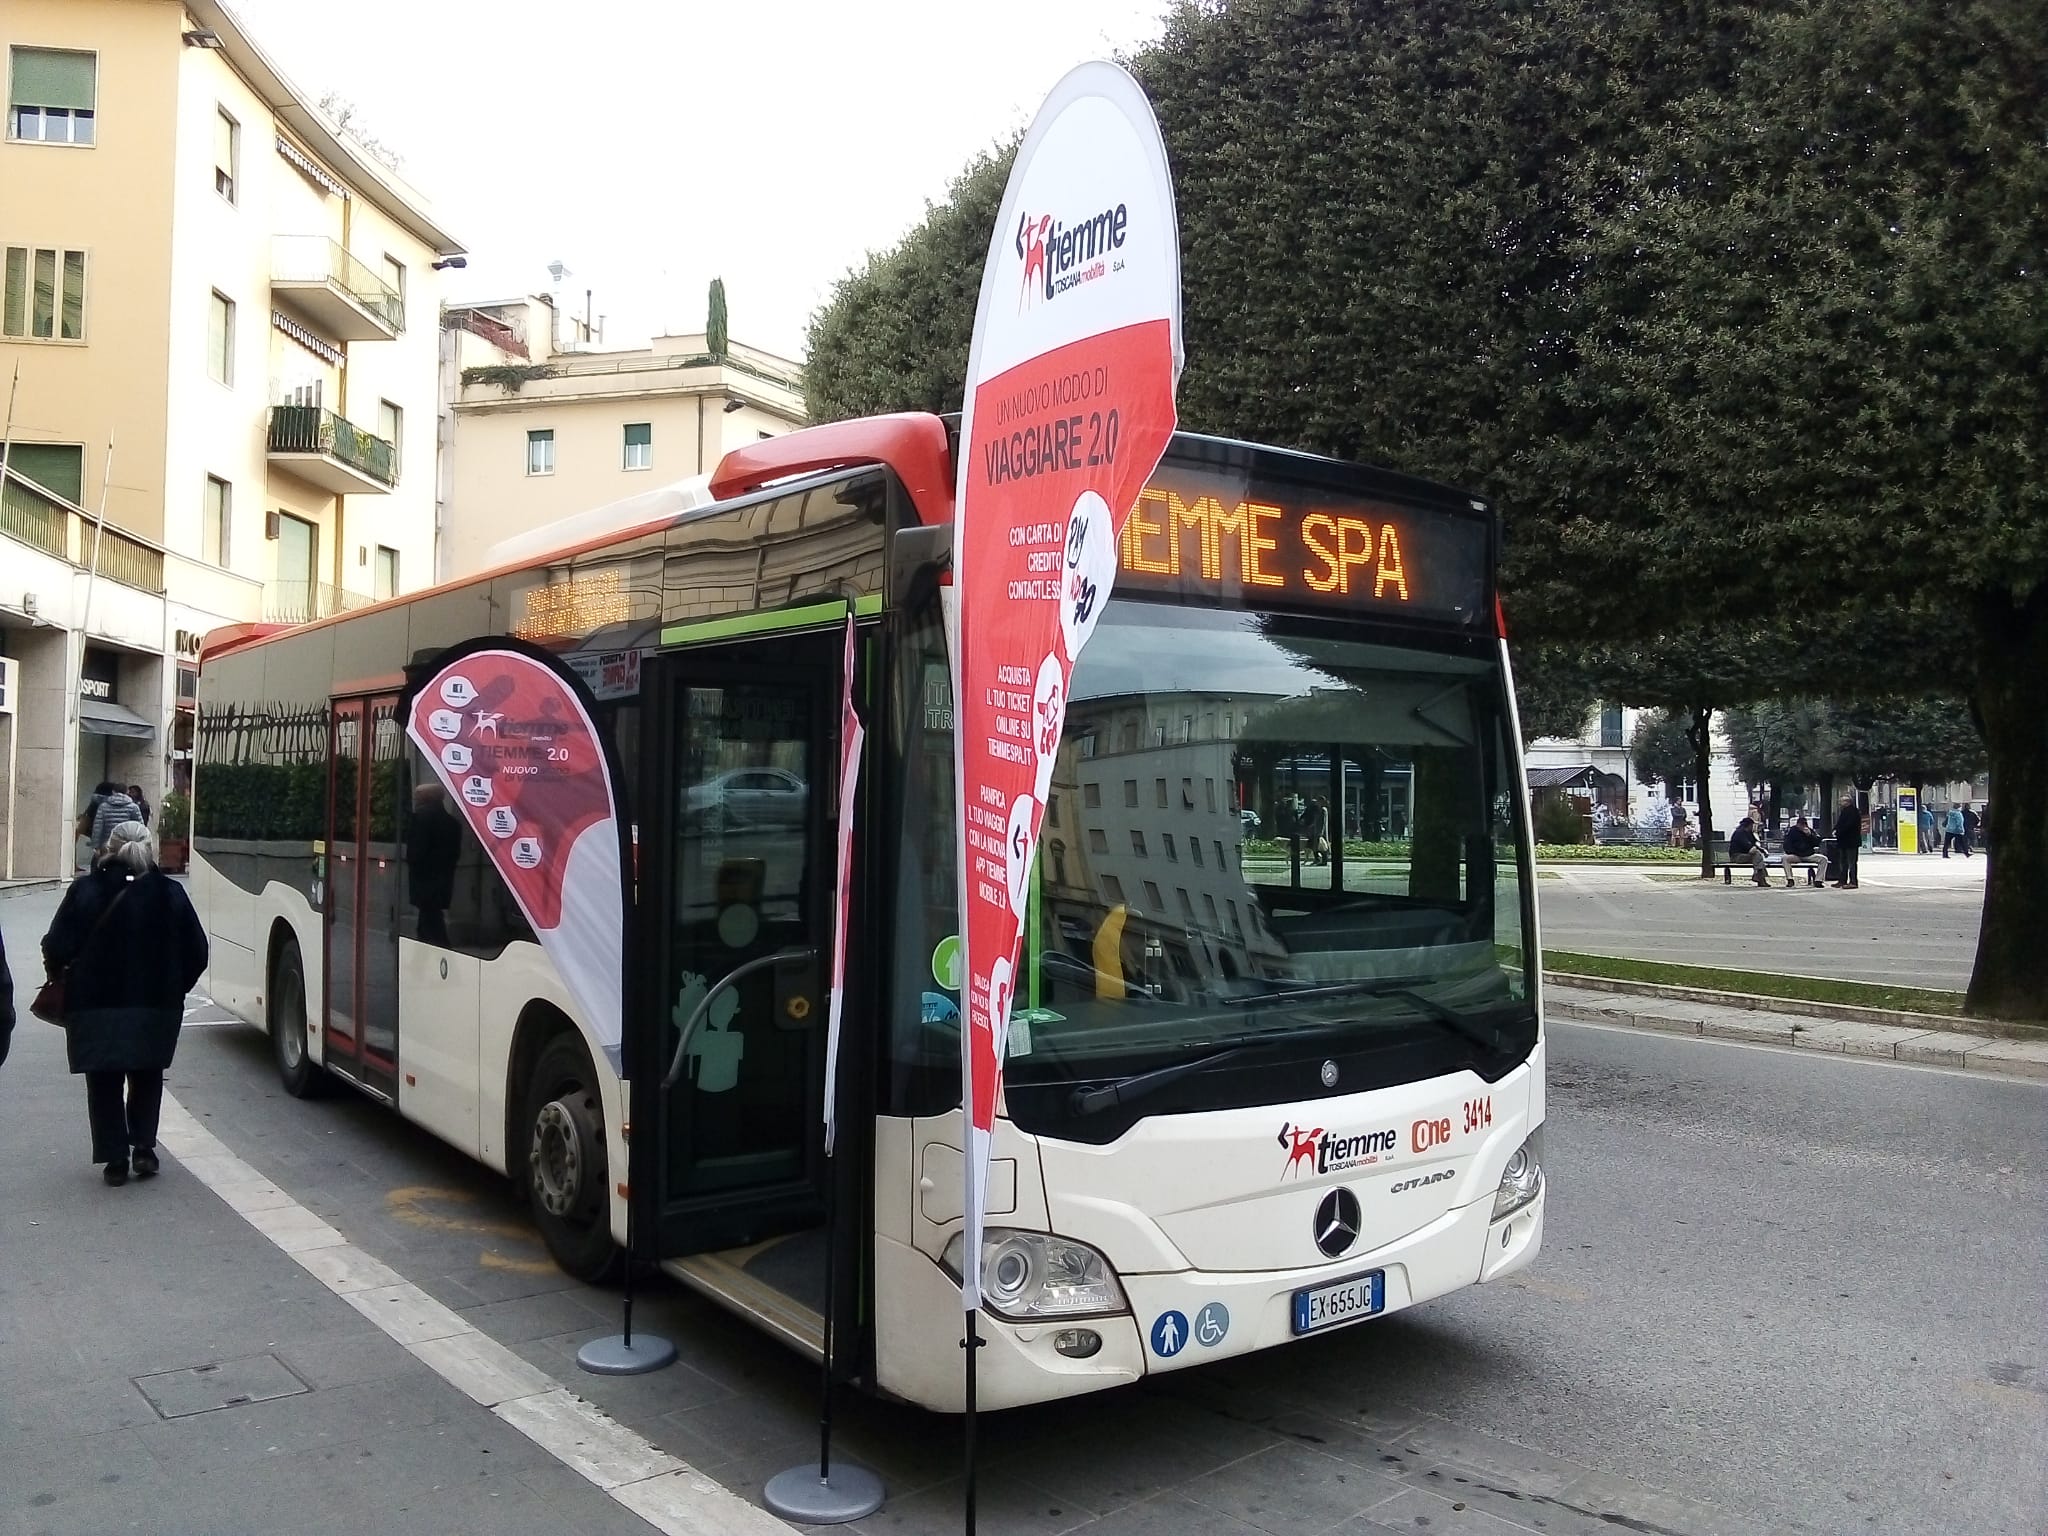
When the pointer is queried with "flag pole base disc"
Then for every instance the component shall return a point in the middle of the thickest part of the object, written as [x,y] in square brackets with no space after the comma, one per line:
[613,1356]
[802,1497]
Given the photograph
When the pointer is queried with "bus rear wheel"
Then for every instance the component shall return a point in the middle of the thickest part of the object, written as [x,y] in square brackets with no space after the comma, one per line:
[568,1176]
[303,1078]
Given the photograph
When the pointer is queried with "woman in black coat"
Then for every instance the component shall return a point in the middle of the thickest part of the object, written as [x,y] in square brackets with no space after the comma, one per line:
[130,947]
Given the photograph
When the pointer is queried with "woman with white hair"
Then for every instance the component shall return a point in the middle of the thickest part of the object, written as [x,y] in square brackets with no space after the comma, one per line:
[129,947]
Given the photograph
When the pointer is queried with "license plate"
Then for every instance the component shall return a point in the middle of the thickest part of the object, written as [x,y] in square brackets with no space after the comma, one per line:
[1345,1301]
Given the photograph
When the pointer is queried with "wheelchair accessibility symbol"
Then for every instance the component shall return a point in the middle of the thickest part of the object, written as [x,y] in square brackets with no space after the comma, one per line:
[1211,1324]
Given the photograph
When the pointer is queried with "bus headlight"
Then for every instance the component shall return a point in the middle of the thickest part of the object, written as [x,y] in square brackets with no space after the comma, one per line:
[1030,1275]
[1522,1180]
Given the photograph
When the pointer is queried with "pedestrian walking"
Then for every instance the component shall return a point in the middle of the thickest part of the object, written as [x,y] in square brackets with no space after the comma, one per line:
[142,805]
[108,808]
[127,947]
[1848,841]
[1970,825]
[6,1003]
[1318,830]
[1952,829]
[1927,834]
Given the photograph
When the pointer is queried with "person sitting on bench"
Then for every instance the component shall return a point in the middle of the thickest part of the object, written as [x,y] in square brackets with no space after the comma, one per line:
[1744,847]
[1802,848]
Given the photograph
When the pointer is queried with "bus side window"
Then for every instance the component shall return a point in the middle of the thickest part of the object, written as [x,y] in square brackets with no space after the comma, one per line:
[454,895]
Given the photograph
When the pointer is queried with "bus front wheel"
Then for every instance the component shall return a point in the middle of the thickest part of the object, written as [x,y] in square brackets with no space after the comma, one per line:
[303,1078]
[567,1170]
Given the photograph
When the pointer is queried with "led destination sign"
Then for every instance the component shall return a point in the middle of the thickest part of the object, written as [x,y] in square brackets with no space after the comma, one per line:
[1223,537]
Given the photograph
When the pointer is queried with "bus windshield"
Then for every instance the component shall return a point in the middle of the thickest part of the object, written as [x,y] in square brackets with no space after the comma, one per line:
[1264,836]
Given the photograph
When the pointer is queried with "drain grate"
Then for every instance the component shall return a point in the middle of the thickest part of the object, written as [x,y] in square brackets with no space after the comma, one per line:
[227,1384]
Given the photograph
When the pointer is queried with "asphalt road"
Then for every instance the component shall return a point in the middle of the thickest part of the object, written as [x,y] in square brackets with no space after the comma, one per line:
[1912,922]
[1791,1292]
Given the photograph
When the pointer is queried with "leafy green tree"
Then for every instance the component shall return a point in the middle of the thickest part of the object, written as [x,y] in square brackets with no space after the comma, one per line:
[1660,750]
[1726,305]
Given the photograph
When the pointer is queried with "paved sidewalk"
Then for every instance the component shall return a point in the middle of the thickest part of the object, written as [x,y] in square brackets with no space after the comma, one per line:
[1852,1037]
[167,1368]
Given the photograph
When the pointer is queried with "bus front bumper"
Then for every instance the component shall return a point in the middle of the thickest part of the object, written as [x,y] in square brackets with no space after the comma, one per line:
[1179,1319]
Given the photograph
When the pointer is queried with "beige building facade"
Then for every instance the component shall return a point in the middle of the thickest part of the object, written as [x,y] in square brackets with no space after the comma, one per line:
[218,324]
[541,426]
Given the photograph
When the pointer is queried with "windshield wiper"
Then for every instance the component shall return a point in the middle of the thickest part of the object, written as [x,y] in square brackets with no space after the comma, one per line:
[1090,1101]
[1436,1012]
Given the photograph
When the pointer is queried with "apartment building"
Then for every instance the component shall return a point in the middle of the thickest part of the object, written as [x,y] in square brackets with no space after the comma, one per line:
[219,329]
[541,423]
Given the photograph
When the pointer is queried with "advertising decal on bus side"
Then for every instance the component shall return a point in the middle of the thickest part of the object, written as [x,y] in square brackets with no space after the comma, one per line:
[1068,408]
[516,750]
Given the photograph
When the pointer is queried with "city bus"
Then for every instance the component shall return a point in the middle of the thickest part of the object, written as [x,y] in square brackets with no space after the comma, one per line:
[1276,1065]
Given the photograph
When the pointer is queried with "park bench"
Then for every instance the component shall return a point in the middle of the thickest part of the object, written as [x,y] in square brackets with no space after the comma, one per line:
[1774,858]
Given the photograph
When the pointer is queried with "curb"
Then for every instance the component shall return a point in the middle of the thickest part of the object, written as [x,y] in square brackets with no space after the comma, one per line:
[2026,1059]
[1801,1007]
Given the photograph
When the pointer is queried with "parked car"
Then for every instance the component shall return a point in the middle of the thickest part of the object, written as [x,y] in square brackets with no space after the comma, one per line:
[1248,820]
[750,797]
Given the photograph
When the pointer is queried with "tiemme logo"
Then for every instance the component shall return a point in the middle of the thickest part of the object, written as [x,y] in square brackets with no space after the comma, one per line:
[1059,256]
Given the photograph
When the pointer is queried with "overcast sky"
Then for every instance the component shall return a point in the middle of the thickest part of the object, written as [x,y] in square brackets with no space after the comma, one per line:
[651,145]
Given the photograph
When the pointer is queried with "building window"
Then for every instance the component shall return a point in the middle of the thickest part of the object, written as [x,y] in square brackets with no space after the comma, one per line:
[391,427]
[1187,907]
[1195,851]
[215,544]
[1610,726]
[1172,853]
[1138,843]
[227,152]
[1152,895]
[51,94]
[1112,890]
[1159,792]
[1131,793]
[1098,840]
[1221,862]
[298,550]
[1091,796]
[387,572]
[220,340]
[639,445]
[44,299]
[1088,744]
[57,467]
[540,452]
[394,278]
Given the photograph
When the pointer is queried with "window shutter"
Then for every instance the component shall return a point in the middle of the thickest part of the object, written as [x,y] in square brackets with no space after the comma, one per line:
[46,77]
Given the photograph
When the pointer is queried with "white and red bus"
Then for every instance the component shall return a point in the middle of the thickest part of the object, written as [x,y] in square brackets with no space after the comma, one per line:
[1277,1059]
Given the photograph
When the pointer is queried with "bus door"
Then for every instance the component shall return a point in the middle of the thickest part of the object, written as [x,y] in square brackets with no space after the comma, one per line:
[739,873]
[365,755]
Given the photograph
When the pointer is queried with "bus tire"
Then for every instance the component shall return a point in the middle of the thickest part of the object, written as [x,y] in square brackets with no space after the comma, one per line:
[568,1177]
[303,1077]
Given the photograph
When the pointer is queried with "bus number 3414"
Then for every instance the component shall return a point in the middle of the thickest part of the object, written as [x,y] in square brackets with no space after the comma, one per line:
[1478,1114]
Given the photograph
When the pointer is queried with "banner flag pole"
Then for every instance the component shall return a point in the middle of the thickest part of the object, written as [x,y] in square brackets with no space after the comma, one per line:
[829,1495]
[1067,411]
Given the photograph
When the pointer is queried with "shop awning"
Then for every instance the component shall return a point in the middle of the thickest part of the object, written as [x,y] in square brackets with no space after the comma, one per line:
[105,719]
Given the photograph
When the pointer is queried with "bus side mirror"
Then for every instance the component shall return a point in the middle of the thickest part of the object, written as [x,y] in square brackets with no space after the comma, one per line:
[917,557]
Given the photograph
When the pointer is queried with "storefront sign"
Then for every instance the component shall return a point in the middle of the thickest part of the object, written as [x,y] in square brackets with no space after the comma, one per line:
[1068,407]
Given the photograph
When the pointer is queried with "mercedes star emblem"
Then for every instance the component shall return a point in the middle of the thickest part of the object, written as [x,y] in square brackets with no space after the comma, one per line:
[1337,1220]
[1329,1074]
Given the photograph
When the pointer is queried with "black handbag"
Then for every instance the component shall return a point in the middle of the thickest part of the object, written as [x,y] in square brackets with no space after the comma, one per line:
[49,1005]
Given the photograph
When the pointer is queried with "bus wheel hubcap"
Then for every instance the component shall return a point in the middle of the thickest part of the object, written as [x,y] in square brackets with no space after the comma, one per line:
[564,1137]
[291,1026]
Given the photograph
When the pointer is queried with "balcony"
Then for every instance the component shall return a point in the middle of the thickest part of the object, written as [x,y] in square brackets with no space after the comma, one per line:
[324,450]
[301,602]
[338,294]
[33,516]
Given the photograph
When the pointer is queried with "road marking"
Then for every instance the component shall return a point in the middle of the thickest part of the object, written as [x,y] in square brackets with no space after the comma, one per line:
[412,1205]
[1804,1052]
[667,1493]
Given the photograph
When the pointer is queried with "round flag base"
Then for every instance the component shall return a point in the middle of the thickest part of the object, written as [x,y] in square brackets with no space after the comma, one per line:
[801,1496]
[613,1356]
